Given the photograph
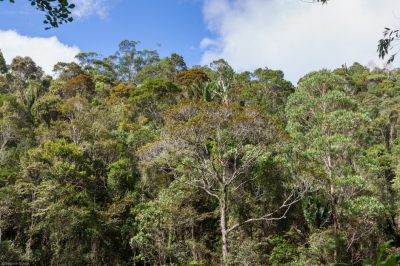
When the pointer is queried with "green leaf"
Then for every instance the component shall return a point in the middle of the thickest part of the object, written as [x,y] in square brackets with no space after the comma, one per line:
[391,261]
[367,262]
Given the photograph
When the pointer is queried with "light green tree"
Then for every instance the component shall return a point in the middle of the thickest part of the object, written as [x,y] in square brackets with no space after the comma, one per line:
[131,60]
[324,123]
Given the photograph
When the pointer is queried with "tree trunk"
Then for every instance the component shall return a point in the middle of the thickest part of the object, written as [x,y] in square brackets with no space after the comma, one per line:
[223,227]
[335,220]
[0,228]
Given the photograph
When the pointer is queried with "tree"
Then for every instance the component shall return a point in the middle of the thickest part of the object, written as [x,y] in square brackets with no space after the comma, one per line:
[3,65]
[222,70]
[81,84]
[67,71]
[8,132]
[324,124]
[163,69]
[212,147]
[56,13]
[78,119]
[191,76]
[24,68]
[178,62]
[166,68]
[131,61]
[46,108]
[269,90]
[152,98]
[121,92]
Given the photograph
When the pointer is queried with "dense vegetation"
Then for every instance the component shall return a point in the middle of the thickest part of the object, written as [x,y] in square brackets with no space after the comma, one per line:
[135,159]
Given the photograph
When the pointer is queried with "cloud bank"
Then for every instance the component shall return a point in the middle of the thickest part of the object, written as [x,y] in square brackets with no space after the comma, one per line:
[295,36]
[46,52]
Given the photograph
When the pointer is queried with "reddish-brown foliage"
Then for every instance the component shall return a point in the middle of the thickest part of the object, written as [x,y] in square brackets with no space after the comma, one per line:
[121,91]
[82,84]
[190,76]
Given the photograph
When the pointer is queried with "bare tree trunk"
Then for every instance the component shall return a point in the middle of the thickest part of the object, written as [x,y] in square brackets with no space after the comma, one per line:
[224,232]
[393,127]
[335,219]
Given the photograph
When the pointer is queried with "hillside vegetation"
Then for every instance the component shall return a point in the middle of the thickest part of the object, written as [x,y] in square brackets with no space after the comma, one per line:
[135,159]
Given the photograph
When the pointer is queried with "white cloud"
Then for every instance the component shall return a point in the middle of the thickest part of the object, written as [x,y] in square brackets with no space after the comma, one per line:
[87,8]
[295,36]
[46,52]
[207,43]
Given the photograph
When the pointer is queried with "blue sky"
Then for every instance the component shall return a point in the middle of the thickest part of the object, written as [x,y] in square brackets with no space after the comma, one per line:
[177,25]
[290,35]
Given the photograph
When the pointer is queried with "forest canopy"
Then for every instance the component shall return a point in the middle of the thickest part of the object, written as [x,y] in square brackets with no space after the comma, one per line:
[134,159]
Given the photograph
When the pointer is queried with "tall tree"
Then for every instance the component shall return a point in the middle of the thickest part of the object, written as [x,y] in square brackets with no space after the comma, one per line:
[3,65]
[131,61]
[152,98]
[324,123]
[268,89]
[24,68]
[222,70]
[211,147]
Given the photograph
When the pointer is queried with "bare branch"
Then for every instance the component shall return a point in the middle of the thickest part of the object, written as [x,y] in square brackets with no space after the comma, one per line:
[289,201]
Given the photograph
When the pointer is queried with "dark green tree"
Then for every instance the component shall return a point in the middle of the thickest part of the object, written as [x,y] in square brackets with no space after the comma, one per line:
[3,65]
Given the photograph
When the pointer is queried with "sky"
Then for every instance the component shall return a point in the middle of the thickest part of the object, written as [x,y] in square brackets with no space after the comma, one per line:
[291,35]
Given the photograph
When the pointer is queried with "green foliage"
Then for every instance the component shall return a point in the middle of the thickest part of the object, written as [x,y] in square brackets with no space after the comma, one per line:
[392,260]
[167,68]
[283,252]
[153,97]
[98,170]
[56,14]
[46,108]
[131,61]
[386,44]
[3,65]
[316,211]
[212,147]
[324,123]
[9,252]
[269,90]
[120,176]
[223,71]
